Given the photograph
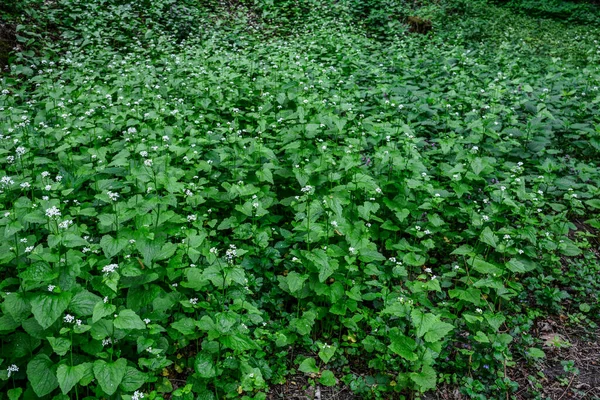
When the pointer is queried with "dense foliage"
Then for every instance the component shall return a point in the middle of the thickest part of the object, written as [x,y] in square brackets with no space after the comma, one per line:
[206,199]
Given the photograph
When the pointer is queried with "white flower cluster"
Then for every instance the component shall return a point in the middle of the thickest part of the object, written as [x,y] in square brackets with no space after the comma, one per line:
[12,368]
[110,268]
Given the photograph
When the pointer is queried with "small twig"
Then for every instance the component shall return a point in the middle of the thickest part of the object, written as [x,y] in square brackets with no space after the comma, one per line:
[567,388]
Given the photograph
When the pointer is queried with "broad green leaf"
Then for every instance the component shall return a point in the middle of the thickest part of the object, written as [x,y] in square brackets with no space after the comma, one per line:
[14,394]
[48,307]
[429,326]
[295,281]
[326,352]
[110,374]
[112,246]
[534,352]
[484,267]
[204,365]
[133,379]
[309,366]
[414,259]
[424,380]
[101,310]
[238,342]
[60,345]
[41,375]
[128,319]
[322,263]
[83,303]
[481,337]
[16,305]
[488,237]
[186,326]
[69,376]
[403,345]
[327,378]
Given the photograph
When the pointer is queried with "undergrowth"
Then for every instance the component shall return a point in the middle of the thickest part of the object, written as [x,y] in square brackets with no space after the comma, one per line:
[200,201]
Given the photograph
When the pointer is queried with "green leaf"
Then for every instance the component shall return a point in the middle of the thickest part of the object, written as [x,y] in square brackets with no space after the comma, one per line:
[15,305]
[327,351]
[295,281]
[424,380]
[128,319]
[484,267]
[48,307]
[238,342]
[204,365]
[429,326]
[519,267]
[323,264]
[186,326]
[534,352]
[470,295]
[327,378]
[83,303]
[14,394]
[69,376]
[488,237]
[481,337]
[60,345]
[309,366]
[403,345]
[101,310]
[110,374]
[111,246]
[40,373]
[414,259]
[133,379]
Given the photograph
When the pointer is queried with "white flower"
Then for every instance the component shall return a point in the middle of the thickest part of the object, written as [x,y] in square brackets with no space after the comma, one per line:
[191,218]
[144,153]
[65,224]
[456,267]
[334,224]
[110,268]
[105,300]
[352,250]
[306,189]
[137,395]
[478,310]
[194,301]
[146,321]
[106,342]
[28,249]
[69,318]
[378,190]
[503,188]
[165,138]
[12,368]
[506,237]
[148,162]
[427,232]
[485,218]
[53,212]
[112,195]
[520,251]
[20,150]
[26,185]
[51,288]
[428,270]
[418,227]
[213,250]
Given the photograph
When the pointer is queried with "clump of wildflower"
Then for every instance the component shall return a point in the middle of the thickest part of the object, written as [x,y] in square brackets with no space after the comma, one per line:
[112,195]
[53,212]
[110,268]
[231,253]
[12,368]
